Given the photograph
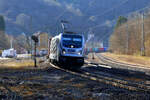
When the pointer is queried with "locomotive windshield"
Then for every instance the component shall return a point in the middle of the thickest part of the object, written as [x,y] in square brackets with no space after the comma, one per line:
[72,41]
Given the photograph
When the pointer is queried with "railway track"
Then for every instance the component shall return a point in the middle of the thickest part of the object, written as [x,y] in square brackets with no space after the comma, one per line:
[23,74]
[91,75]
[11,95]
[114,63]
[120,82]
[132,86]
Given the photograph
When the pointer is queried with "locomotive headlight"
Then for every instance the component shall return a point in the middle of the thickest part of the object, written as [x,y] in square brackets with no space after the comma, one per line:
[80,52]
[63,51]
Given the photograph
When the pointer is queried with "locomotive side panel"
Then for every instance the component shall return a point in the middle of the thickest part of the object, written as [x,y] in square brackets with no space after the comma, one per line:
[54,48]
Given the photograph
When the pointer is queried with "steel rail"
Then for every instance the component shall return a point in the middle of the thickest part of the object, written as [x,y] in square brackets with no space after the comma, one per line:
[107,80]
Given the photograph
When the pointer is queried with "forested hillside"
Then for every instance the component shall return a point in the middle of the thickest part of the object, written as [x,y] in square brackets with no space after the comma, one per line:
[29,16]
[129,36]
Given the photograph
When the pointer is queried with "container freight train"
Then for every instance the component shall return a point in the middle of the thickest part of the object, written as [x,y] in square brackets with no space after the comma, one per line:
[96,50]
[67,49]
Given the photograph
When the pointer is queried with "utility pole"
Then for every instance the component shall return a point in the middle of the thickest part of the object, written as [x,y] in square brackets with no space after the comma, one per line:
[127,41]
[93,49]
[31,44]
[143,38]
[11,43]
[92,44]
[30,24]
[35,64]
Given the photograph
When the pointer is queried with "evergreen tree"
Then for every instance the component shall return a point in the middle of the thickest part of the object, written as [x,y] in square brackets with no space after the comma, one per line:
[2,23]
[121,20]
[4,38]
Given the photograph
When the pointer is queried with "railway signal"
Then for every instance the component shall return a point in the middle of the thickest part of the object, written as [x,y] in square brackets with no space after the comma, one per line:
[36,40]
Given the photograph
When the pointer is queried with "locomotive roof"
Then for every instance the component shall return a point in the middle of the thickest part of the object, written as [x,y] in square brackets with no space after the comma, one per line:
[59,35]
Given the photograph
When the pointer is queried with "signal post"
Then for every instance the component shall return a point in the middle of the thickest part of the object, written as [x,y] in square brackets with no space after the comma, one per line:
[35,39]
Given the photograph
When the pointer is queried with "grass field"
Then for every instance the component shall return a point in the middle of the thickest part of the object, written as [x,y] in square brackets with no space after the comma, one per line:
[139,60]
[13,63]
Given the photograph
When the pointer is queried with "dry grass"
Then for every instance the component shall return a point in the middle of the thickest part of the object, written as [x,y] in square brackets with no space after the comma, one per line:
[95,60]
[17,64]
[79,85]
[35,77]
[24,90]
[139,60]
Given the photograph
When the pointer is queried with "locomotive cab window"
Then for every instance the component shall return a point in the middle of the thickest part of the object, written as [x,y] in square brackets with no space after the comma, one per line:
[72,40]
